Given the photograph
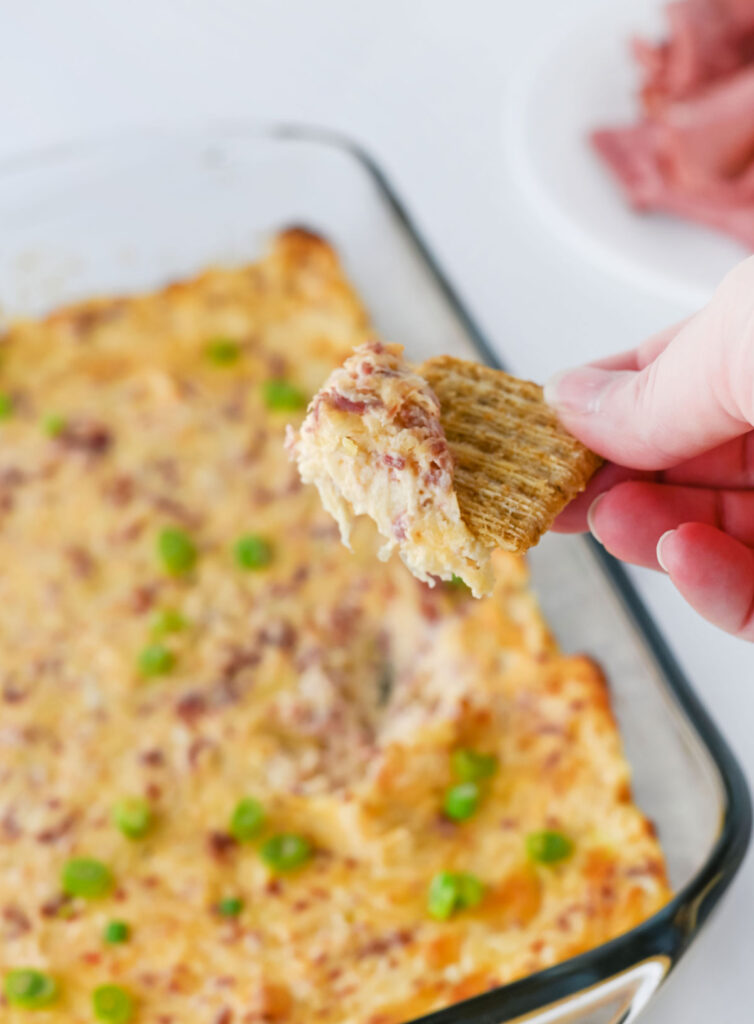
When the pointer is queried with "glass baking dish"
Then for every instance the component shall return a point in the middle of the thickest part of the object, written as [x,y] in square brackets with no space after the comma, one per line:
[136,211]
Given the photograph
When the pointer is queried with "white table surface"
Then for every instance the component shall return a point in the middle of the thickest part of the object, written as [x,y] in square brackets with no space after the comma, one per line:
[422,84]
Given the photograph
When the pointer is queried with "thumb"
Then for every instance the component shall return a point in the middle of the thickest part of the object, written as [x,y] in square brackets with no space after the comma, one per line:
[695,394]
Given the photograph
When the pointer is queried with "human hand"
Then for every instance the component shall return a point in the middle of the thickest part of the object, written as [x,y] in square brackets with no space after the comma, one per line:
[674,418]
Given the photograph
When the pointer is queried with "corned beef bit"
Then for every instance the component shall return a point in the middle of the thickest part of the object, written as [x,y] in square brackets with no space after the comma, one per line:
[221,844]
[278,633]
[127,533]
[16,922]
[153,758]
[9,827]
[120,490]
[692,151]
[87,436]
[237,659]
[345,404]
[56,905]
[399,527]
[12,694]
[12,476]
[190,708]
[142,598]
[80,560]
[176,509]
[196,749]
[84,319]
[59,830]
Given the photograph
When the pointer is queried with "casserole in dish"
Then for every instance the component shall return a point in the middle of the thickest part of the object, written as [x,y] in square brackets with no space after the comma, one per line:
[124,216]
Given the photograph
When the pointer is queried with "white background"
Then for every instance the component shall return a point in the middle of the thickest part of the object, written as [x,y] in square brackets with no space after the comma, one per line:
[422,83]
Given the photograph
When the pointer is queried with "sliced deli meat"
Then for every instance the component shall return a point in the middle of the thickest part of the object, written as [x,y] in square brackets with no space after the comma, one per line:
[708,40]
[692,151]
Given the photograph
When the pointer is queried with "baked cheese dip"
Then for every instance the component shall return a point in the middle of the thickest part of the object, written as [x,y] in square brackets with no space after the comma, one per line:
[372,443]
[246,775]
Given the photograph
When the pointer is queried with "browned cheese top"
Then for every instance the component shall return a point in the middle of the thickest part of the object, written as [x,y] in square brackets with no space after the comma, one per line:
[248,654]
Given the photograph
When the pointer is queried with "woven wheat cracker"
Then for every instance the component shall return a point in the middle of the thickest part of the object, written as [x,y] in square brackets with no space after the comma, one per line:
[516,468]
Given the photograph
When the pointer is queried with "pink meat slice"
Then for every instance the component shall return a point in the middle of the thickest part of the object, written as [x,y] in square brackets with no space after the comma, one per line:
[708,39]
[692,154]
[706,144]
[630,153]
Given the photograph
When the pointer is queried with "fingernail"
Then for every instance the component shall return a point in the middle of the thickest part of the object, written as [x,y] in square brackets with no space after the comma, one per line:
[590,516]
[660,542]
[578,391]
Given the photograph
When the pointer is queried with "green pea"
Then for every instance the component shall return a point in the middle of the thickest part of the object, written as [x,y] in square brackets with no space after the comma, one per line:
[155,660]
[456,583]
[247,819]
[176,550]
[166,621]
[86,877]
[286,852]
[443,895]
[133,816]
[451,891]
[116,932]
[462,801]
[30,989]
[252,551]
[231,906]
[282,396]
[53,425]
[470,891]
[223,351]
[548,847]
[471,766]
[112,1004]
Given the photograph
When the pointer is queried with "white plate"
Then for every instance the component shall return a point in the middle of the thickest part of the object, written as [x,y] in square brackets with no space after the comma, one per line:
[573,83]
